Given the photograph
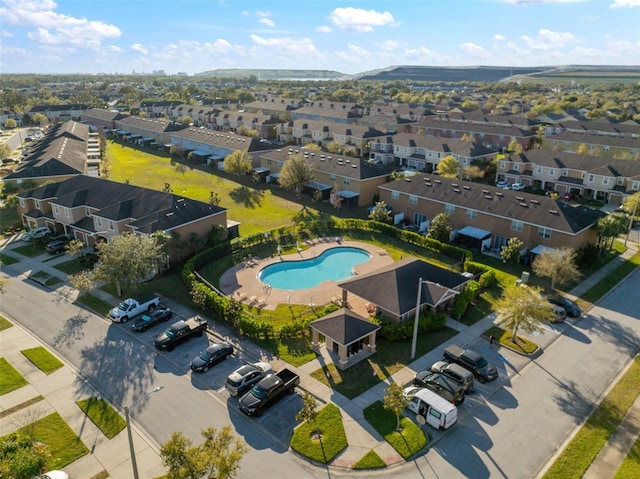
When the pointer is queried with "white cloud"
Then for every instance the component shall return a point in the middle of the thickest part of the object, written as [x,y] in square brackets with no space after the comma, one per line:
[472,48]
[137,47]
[323,29]
[360,20]
[499,37]
[6,33]
[113,49]
[52,28]
[286,45]
[267,21]
[389,45]
[625,3]
[358,51]
[547,40]
[246,13]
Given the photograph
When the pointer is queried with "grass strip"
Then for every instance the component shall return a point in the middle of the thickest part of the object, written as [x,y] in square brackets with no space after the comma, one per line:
[64,445]
[370,460]
[586,444]
[5,259]
[22,405]
[94,303]
[10,379]
[28,250]
[103,416]
[630,468]
[505,338]
[409,441]
[607,283]
[4,323]
[42,359]
[333,438]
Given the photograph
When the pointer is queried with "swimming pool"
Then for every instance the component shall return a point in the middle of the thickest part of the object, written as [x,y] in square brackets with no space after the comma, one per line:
[333,264]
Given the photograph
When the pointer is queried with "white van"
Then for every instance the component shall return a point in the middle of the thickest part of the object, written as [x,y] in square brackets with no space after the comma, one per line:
[437,411]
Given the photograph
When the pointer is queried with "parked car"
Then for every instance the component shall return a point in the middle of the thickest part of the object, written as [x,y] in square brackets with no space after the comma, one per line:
[58,245]
[503,184]
[211,356]
[243,378]
[518,186]
[146,321]
[572,309]
[37,233]
[443,385]
[53,475]
[560,314]
[455,372]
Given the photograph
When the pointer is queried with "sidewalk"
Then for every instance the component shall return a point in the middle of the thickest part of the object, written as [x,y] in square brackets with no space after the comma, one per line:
[360,435]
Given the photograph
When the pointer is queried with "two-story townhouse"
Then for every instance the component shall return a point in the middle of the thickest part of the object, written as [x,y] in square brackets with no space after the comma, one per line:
[356,180]
[146,131]
[101,120]
[93,209]
[486,217]
[600,126]
[601,145]
[481,118]
[58,113]
[279,107]
[591,177]
[491,136]
[212,146]
[67,149]
[158,108]
[328,111]
[423,153]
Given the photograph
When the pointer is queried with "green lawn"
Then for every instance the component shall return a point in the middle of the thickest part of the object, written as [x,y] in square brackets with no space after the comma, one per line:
[103,416]
[64,446]
[370,460]
[94,303]
[333,438]
[42,359]
[4,323]
[409,441]
[8,218]
[30,250]
[391,356]
[630,468]
[72,266]
[605,285]
[255,206]
[586,444]
[5,259]
[505,338]
[10,379]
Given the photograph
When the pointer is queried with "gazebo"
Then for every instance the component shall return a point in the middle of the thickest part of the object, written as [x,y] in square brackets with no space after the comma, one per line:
[349,338]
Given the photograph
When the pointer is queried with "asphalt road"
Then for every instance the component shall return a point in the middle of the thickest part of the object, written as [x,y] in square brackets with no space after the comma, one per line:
[518,430]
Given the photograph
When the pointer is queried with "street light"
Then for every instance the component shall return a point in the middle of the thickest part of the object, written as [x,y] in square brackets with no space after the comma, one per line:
[126,416]
[415,322]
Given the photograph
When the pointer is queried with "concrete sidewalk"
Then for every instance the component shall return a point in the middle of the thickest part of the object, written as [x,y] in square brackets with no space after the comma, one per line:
[360,435]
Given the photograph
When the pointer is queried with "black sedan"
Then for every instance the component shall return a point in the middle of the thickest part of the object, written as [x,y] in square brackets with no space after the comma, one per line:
[210,356]
[57,246]
[572,309]
[145,321]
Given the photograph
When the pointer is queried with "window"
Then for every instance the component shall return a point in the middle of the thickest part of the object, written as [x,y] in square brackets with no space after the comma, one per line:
[516,166]
[591,178]
[605,148]
[66,212]
[418,218]
[22,202]
[517,225]
[565,172]
[450,209]
[605,180]
[99,222]
[395,195]
[552,172]
[539,170]
[554,143]
[37,204]
[413,199]
[268,162]
[472,214]
[346,181]
[635,185]
[544,233]
[503,165]
[332,178]
[87,211]
[112,225]
[56,210]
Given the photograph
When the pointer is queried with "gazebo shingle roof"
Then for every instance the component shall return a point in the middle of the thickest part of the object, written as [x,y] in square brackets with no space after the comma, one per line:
[344,326]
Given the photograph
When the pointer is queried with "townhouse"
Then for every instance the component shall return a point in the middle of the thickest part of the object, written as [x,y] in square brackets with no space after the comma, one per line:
[605,145]
[355,180]
[485,217]
[278,107]
[158,108]
[93,209]
[67,149]
[339,112]
[146,131]
[322,132]
[423,153]
[58,113]
[211,147]
[590,177]
[101,120]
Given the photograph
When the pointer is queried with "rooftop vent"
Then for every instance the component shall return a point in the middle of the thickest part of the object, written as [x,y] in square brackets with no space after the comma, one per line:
[498,193]
[553,212]
[354,166]
[467,187]
[408,180]
[519,198]
[535,202]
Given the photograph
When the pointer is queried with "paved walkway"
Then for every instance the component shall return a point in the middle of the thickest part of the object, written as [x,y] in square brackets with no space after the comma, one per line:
[361,437]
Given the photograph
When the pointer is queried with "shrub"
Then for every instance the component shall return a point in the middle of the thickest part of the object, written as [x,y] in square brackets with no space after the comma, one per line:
[487,279]
[393,331]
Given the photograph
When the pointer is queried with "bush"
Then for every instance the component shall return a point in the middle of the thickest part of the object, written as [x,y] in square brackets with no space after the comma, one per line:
[393,331]
[487,279]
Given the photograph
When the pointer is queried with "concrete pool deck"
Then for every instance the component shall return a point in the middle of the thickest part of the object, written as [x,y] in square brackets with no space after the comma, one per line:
[242,283]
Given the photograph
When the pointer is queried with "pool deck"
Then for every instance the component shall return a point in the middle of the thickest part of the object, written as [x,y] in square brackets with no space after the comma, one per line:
[242,283]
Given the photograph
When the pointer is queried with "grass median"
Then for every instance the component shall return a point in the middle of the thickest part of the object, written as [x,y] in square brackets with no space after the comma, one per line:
[42,359]
[408,441]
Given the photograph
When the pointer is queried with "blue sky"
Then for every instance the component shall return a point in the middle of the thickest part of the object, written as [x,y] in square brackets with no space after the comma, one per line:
[123,36]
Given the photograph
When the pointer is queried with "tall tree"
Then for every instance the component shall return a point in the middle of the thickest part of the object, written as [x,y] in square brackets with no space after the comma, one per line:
[335,198]
[440,227]
[559,264]
[448,167]
[380,213]
[295,173]
[218,457]
[510,253]
[395,401]
[522,307]
[237,163]
[609,228]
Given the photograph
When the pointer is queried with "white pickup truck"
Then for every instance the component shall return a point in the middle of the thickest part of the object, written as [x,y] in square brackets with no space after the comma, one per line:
[131,307]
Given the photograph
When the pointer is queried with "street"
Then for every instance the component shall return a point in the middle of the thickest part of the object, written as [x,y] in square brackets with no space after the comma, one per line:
[521,426]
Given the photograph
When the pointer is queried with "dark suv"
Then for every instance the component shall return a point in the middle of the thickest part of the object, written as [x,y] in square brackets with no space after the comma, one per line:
[445,386]
[58,245]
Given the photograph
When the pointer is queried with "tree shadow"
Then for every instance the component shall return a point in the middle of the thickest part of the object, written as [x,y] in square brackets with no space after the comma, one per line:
[248,197]
[71,331]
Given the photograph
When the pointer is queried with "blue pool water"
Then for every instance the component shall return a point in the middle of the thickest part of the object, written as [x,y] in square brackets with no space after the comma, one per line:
[333,264]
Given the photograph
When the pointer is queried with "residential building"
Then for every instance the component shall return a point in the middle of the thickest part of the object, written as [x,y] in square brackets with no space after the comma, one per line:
[590,177]
[604,145]
[146,131]
[58,113]
[212,147]
[495,214]
[93,209]
[101,120]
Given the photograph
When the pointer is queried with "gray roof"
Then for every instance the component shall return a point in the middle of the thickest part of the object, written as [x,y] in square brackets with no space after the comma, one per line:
[344,326]
[595,139]
[395,287]
[532,209]
[464,148]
